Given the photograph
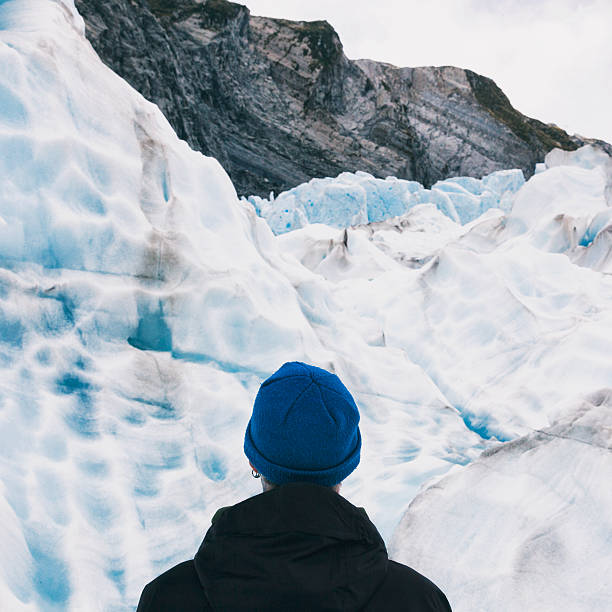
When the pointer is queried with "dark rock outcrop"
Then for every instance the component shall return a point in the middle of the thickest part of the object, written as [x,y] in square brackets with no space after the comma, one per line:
[277,102]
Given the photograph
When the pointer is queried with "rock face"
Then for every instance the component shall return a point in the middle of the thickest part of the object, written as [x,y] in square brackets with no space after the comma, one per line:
[277,102]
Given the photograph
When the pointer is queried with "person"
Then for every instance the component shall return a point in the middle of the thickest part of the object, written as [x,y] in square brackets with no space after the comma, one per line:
[298,545]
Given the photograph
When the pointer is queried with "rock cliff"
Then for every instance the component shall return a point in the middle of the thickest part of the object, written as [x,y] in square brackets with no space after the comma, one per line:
[277,102]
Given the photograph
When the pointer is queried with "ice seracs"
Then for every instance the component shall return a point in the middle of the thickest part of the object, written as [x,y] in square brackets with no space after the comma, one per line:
[359,198]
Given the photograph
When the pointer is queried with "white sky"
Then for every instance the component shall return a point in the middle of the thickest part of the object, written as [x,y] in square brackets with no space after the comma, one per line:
[552,58]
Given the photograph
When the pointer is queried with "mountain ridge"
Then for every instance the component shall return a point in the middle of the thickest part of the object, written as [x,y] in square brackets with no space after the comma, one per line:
[277,102]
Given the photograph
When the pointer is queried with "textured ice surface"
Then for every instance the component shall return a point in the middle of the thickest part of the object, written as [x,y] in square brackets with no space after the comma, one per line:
[141,304]
[359,198]
[528,525]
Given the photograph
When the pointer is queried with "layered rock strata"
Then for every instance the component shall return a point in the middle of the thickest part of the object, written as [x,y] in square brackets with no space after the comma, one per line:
[277,102]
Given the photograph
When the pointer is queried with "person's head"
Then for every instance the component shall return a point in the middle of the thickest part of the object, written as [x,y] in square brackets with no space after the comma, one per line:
[304,428]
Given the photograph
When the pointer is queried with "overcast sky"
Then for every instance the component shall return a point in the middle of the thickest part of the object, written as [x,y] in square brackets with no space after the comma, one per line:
[552,58]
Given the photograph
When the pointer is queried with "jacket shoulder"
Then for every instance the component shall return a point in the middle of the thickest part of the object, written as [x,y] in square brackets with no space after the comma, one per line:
[405,589]
[177,589]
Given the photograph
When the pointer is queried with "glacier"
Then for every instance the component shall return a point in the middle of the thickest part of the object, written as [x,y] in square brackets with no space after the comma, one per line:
[142,303]
[359,198]
[539,497]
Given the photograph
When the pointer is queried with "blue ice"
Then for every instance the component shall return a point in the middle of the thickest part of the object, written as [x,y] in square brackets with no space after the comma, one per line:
[145,484]
[352,199]
[14,114]
[212,464]
[11,331]
[50,578]
[82,416]
[152,333]
[117,575]
[94,468]
[98,508]
[482,426]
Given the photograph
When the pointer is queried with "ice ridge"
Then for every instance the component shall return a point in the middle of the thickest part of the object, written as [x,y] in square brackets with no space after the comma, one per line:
[359,198]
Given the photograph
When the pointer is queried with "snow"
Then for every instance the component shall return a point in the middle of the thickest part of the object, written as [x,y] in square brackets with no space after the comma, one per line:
[142,304]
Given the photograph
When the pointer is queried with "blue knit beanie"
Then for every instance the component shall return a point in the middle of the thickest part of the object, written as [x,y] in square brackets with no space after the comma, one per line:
[304,427]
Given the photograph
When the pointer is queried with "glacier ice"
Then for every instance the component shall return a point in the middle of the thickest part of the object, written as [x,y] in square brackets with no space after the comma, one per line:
[527,524]
[141,304]
[359,198]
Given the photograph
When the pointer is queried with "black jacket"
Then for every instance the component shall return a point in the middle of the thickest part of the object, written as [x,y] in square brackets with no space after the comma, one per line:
[296,547]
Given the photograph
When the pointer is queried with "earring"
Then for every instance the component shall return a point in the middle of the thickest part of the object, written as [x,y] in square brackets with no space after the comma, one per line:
[255,473]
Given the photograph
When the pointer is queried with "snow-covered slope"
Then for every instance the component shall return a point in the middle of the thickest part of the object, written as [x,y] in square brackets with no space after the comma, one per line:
[141,304]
